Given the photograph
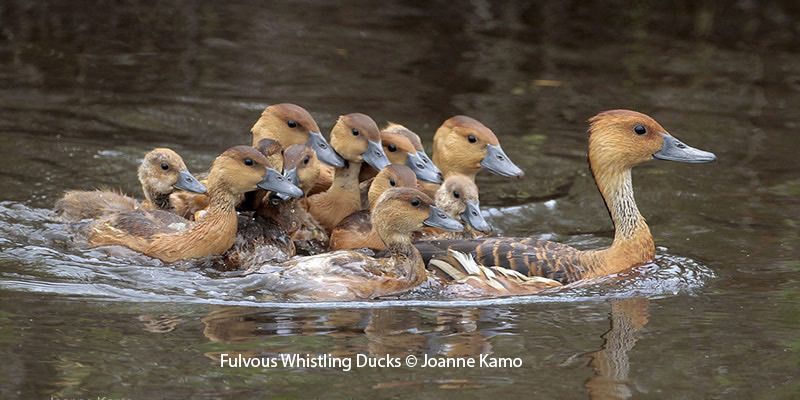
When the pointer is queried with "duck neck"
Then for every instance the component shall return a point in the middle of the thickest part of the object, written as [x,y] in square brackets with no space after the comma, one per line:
[157,199]
[345,180]
[633,243]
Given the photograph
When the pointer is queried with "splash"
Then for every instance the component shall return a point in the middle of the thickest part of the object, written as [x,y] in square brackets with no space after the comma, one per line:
[39,254]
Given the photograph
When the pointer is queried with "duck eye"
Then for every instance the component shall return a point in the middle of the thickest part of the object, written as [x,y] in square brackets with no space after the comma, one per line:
[415,202]
[292,123]
[456,194]
[164,166]
[472,139]
[248,161]
[391,147]
[306,160]
[640,129]
[392,182]
[356,132]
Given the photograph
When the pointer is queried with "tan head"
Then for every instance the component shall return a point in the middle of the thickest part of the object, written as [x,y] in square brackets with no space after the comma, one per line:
[287,123]
[412,137]
[291,124]
[462,145]
[401,211]
[163,170]
[273,151]
[400,151]
[622,139]
[301,166]
[241,169]
[458,197]
[357,139]
[393,176]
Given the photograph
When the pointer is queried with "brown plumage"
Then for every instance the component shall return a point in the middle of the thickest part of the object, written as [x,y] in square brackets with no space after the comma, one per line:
[286,123]
[397,148]
[454,153]
[456,196]
[356,231]
[158,174]
[618,141]
[351,275]
[350,138]
[238,170]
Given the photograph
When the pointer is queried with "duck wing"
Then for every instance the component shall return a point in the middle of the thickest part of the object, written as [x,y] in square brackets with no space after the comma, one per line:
[464,277]
[529,257]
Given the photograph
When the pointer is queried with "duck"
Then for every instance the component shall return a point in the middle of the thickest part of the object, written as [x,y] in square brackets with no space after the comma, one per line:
[357,139]
[619,140]
[401,151]
[161,172]
[458,197]
[193,206]
[302,168]
[415,140]
[357,231]
[353,275]
[290,124]
[170,238]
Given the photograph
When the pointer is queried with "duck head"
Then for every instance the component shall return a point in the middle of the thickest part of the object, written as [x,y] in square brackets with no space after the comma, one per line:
[622,139]
[465,146]
[393,176]
[400,151]
[415,141]
[273,150]
[291,124]
[164,170]
[401,211]
[458,197]
[357,139]
[301,166]
[242,169]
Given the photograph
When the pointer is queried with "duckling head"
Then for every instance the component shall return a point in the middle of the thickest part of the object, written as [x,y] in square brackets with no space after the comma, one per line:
[357,139]
[458,197]
[401,211]
[291,124]
[301,166]
[622,139]
[163,170]
[412,137]
[401,151]
[393,176]
[242,169]
[465,146]
[273,150]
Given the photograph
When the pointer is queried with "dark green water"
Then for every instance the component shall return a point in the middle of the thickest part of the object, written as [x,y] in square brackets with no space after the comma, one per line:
[87,88]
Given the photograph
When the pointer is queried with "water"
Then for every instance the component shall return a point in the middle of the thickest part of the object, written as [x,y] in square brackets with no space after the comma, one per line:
[85,94]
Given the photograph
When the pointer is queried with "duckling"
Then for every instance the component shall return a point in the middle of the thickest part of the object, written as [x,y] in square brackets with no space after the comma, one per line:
[302,167]
[618,141]
[415,140]
[401,151]
[458,197]
[357,231]
[351,275]
[161,171]
[462,145]
[170,238]
[357,139]
[193,206]
[291,124]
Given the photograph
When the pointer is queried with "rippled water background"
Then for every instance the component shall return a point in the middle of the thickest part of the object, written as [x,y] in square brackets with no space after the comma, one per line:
[88,87]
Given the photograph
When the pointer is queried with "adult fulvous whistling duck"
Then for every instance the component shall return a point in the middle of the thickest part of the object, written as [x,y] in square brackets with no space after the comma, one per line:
[357,139]
[351,275]
[357,231]
[170,238]
[161,171]
[618,141]
[291,124]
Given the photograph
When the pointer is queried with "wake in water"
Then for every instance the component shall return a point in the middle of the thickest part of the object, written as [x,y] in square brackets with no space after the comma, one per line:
[38,254]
